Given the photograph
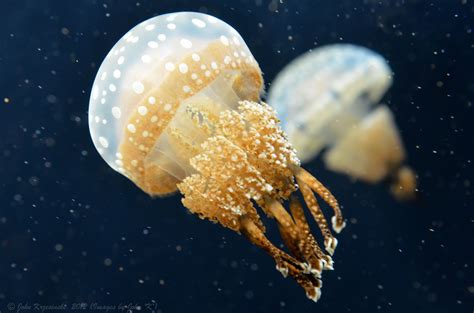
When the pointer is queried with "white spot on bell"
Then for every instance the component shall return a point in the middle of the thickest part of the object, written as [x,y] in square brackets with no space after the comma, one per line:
[196,57]
[171,26]
[117,74]
[224,40]
[183,68]
[151,100]
[150,27]
[131,128]
[104,142]
[169,66]
[186,43]
[199,23]
[142,110]
[146,58]
[161,37]
[116,112]
[153,44]
[138,87]
[95,92]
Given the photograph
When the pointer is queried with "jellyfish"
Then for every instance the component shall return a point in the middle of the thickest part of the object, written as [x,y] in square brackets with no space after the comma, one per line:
[325,100]
[175,106]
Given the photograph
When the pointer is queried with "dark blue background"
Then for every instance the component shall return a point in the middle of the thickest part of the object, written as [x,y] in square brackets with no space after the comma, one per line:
[63,211]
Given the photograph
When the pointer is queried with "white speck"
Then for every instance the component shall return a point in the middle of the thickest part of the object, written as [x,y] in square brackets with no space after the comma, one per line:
[145,134]
[186,43]
[199,23]
[150,27]
[183,68]
[214,65]
[103,141]
[224,40]
[161,37]
[186,89]
[117,74]
[138,87]
[142,110]
[119,155]
[154,118]
[119,163]
[134,163]
[120,60]
[169,66]
[167,107]
[194,76]
[227,59]
[131,128]
[146,58]
[103,76]
[207,73]
[171,26]
[153,44]
[116,112]
[112,87]
[103,101]
[196,57]
[171,17]
[97,119]
[151,100]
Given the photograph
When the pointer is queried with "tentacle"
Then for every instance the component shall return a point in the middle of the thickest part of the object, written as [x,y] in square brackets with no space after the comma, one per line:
[337,220]
[308,244]
[330,242]
[286,226]
[285,263]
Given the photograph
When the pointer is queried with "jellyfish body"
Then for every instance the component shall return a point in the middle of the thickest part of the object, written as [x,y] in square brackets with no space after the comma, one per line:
[325,99]
[174,106]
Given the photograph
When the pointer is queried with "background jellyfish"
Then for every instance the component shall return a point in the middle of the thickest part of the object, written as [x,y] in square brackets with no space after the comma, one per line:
[173,107]
[325,98]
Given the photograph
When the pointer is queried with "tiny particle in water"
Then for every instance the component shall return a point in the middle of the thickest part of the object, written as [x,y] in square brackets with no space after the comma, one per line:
[51,99]
[107,262]
[34,181]
[6,100]
[58,247]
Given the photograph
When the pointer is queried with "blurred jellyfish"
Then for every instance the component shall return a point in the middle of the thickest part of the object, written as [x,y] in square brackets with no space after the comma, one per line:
[324,99]
[174,106]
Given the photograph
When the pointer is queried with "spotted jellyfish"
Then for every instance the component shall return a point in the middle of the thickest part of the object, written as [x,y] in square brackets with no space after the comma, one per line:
[325,99]
[176,106]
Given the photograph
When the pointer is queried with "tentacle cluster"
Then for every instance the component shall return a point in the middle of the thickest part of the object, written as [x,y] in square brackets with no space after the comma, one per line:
[247,159]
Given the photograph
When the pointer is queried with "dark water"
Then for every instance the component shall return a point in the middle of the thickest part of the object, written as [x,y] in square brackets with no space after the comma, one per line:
[74,231]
